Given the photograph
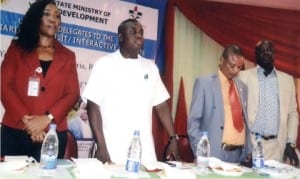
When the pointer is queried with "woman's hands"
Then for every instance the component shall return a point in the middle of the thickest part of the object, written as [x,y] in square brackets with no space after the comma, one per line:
[35,126]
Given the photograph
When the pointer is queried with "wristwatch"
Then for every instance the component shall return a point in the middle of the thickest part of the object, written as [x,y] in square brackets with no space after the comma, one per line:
[50,116]
[293,145]
[173,137]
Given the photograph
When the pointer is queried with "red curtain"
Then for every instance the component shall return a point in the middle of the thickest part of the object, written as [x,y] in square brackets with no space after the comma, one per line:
[245,26]
[159,134]
[180,121]
[180,126]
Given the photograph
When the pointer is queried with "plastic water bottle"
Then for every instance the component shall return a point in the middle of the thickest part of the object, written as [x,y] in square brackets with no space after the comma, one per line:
[134,153]
[49,149]
[258,155]
[203,154]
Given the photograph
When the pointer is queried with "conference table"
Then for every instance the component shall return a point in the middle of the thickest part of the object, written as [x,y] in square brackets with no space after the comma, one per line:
[92,168]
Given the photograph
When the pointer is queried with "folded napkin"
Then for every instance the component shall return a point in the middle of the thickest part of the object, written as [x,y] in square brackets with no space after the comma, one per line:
[118,171]
[153,167]
[217,163]
[225,168]
[90,168]
[177,172]
[13,164]
[276,169]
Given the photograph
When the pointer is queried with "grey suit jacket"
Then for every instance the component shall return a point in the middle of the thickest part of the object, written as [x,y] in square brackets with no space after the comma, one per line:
[207,114]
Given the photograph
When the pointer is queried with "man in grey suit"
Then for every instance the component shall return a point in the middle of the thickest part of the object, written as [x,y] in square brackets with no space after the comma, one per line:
[211,110]
[272,107]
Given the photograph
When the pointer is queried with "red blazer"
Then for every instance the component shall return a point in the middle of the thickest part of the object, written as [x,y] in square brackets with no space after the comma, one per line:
[59,89]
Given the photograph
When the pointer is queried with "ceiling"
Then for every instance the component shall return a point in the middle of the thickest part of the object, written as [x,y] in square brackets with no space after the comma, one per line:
[281,4]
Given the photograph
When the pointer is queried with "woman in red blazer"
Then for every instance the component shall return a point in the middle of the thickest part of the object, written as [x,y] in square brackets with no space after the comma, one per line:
[39,83]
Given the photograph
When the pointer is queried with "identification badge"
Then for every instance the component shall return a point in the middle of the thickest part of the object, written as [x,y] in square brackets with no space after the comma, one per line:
[33,86]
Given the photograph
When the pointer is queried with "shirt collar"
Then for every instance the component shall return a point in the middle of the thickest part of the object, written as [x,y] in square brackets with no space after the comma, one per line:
[134,59]
[222,77]
[260,70]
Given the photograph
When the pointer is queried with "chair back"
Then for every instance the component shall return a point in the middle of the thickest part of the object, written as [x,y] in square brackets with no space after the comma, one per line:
[92,150]
[71,147]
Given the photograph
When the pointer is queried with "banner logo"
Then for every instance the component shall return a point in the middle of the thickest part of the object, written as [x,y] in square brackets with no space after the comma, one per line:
[135,13]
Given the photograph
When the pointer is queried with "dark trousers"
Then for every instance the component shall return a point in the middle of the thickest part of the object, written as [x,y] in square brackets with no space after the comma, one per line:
[18,142]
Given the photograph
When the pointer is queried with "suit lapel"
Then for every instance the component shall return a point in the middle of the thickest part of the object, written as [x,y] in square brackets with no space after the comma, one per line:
[255,85]
[282,98]
[31,61]
[241,93]
[217,94]
[242,96]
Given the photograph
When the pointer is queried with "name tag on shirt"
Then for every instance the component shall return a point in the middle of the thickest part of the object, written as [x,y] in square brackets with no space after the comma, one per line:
[33,86]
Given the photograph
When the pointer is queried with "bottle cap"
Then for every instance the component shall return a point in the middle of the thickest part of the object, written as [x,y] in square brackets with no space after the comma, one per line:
[136,132]
[204,133]
[52,126]
[258,136]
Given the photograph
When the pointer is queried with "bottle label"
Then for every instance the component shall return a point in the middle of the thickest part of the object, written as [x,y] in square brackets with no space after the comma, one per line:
[258,162]
[202,165]
[132,166]
[202,162]
[48,162]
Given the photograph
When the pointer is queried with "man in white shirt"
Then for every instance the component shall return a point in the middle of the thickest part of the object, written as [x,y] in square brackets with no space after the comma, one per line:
[121,91]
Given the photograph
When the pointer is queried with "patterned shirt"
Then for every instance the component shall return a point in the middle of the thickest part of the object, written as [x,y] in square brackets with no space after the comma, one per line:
[267,118]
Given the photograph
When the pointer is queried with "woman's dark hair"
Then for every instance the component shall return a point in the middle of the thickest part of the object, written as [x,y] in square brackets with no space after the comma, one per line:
[28,32]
